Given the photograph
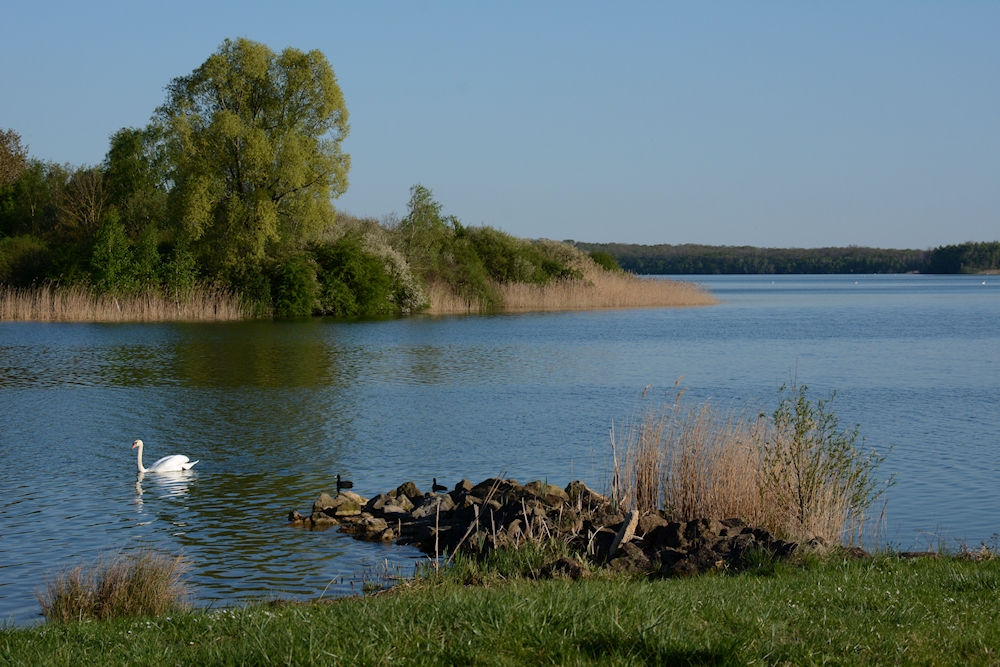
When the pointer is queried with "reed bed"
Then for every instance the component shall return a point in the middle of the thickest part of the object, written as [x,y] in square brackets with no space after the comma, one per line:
[794,473]
[49,303]
[598,289]
[141,583]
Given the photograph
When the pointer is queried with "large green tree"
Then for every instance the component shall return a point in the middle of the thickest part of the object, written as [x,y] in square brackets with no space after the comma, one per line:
[253,140]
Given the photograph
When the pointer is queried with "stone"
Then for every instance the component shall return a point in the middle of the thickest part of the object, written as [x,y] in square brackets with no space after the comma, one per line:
[684,568]
[395,511]
[379,502]
[632,558]
[550,494]
[669,557]
[700,531]
[742,543]
[409,489]
[464,486]
[430,507]
[295,518]
[649,522]
[626,532]
[671,535]
[324,501]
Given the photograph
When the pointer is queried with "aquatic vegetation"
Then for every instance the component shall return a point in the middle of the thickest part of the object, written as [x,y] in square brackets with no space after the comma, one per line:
[792,472]
[138,583]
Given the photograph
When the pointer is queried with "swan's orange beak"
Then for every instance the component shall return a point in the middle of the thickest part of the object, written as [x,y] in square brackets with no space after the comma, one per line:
[135,444]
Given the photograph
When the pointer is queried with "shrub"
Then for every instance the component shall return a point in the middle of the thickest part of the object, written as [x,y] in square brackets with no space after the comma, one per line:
[793,473]
[297,288]
[605,260]
[352,281]
[179,274]
[142,583]
[112,256]
[22,259]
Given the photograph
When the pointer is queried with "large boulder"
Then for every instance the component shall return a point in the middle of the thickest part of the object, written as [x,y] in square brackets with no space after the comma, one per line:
[550,494]
[433,505]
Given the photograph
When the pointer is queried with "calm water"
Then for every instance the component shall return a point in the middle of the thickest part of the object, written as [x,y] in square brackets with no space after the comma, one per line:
[275,410]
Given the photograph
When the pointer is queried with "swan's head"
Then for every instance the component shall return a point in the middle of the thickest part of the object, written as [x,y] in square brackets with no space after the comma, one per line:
[137,443]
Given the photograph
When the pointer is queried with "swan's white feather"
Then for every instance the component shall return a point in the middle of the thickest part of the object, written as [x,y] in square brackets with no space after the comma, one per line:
[171,463]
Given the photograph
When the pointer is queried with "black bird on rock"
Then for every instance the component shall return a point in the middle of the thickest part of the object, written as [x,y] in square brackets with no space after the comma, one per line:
[343,484]
[438,488]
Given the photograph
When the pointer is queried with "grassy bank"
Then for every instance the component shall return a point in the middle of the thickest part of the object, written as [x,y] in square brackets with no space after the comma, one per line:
[882,610]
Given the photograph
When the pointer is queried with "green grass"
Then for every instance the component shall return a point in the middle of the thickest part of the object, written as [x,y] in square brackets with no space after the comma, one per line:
[875,611]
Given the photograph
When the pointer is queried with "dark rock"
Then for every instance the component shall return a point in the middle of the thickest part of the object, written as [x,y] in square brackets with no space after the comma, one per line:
[409,489]
[670,535]
[378,502]
[549,493]
[649,522]
[295,518]
[669,557]
[631,559]
[432,506]
[742,543]
[684,568]
[463,487]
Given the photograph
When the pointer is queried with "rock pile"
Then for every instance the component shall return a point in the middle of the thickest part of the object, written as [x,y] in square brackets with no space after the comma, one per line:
[497,513]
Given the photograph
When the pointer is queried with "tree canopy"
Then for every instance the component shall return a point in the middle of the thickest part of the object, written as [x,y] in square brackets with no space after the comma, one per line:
[253,140]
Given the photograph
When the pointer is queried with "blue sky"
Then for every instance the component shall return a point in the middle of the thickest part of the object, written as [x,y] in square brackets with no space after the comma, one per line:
[770,124]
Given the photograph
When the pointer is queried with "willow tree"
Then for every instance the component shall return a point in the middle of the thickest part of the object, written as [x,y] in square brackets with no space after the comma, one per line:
[253,140]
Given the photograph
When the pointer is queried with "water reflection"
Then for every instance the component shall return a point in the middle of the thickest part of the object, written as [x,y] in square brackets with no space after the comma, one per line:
[171,484]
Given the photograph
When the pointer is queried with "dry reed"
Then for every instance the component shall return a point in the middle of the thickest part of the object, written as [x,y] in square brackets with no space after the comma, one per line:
[598,289]
[141,583]
[49,303]
[695,462]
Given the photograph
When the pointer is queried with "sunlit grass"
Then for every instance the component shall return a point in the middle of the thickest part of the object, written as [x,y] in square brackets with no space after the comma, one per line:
[125,584]
[47,303]
[598,288]
[839,612]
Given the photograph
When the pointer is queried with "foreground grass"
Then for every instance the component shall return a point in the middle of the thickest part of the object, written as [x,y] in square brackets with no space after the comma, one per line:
[875,611]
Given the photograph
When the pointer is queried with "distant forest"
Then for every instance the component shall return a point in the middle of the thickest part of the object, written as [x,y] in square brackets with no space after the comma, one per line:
[702,259]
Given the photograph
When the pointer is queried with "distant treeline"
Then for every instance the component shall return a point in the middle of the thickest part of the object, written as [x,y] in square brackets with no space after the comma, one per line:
[702,259]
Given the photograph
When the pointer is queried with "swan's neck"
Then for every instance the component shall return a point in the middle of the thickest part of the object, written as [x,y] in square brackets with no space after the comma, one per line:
[139,460]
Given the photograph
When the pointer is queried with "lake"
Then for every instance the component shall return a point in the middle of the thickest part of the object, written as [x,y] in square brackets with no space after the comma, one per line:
[274,410]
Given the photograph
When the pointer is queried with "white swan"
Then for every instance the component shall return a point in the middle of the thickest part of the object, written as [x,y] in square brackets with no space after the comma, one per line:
[171,463]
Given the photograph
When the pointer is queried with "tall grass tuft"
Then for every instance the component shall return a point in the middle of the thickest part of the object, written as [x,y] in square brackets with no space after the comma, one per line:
[142,583]
[78,303]
[793,473]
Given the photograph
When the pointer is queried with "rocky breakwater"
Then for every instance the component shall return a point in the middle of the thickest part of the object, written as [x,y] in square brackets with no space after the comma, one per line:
[497,513]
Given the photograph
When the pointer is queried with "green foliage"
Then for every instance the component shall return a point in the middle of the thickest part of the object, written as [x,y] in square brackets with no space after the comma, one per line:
[29,204]
[253,140]
[110,264]
[13,157]
[179,273]
[605,260]
[352,280]
[472,260]
[135,175]
[811,463]
[297,288]
[965,258]
[666,259]
[22,259]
